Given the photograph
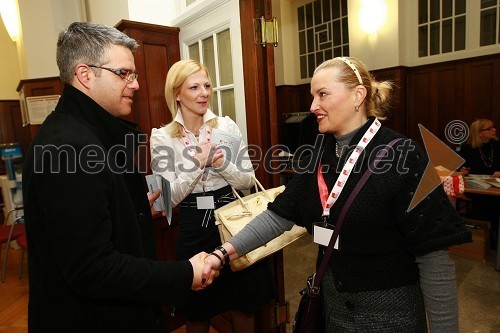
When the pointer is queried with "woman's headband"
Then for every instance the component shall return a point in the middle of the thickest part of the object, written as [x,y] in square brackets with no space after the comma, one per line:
[349,62]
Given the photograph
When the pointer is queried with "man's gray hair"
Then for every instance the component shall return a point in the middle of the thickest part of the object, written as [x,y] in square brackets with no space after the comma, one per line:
[87,43]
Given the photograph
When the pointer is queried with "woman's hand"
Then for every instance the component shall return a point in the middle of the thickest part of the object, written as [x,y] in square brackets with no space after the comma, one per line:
[201,281]
[207,154]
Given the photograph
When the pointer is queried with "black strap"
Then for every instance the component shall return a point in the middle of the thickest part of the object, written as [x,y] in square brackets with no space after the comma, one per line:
[324,262]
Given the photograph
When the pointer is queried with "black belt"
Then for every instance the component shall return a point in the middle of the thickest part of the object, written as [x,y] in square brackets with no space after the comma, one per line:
[188,204]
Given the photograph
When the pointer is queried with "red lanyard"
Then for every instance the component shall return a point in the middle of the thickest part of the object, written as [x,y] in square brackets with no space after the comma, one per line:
[327,201]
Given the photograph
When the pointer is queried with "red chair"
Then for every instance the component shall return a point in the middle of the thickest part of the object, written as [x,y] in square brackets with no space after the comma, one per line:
[23,244]
[9,233]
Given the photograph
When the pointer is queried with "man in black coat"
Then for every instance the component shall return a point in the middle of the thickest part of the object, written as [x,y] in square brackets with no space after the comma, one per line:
[88,217]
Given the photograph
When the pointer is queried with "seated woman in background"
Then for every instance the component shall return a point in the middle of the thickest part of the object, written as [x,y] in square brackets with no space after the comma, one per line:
[482,151]
[482,157]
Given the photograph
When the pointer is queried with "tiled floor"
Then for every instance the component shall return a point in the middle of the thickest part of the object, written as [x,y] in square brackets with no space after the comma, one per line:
[478,286]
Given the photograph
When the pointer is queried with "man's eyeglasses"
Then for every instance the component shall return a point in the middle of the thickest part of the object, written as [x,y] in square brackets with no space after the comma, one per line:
[486,129]
[125,74]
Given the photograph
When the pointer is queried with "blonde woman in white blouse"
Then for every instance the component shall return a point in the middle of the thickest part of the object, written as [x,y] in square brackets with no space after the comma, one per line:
[201,178]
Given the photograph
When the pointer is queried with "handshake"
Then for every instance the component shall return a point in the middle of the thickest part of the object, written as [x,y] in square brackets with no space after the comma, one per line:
[206,267]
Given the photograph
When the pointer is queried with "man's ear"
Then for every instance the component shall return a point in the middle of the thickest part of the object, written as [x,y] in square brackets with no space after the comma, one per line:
[82,74]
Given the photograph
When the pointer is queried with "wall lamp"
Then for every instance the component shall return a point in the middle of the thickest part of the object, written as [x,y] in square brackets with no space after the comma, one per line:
[10,16]
[372,15]
[266,31]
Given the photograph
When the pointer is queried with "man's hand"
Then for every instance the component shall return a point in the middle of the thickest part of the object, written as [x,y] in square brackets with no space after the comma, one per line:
[199,282]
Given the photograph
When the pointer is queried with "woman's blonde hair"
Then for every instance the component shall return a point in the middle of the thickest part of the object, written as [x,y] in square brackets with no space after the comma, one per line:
[475,129]
[378,94]
[176,76]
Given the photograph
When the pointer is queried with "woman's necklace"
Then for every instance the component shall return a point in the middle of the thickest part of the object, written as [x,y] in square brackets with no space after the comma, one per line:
[337,150]
[487,160]
[195,132]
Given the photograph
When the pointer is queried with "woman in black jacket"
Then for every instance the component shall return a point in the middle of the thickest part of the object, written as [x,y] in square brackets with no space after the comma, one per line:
[390,270]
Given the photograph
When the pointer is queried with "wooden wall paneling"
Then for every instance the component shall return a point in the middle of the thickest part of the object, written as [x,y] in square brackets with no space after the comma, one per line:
[397,117]
[481,86]
[421,109]
[449,99]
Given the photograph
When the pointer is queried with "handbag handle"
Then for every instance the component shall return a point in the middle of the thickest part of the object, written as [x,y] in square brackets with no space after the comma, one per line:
[324,262]
[258,186]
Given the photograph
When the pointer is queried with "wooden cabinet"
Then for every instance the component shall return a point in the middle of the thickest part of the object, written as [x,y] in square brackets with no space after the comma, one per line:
[158,51]
[38,87]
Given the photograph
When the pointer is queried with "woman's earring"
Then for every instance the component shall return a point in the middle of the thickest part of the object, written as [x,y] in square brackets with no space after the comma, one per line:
[356,107]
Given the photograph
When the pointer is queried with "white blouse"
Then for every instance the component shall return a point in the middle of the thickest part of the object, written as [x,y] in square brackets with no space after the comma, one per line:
[170,157]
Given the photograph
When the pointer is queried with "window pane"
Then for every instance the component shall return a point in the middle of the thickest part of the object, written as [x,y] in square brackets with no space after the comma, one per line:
[310,40]
[434,10]
[225,58]
[345,51]
[319,58]
[317,12]
[460,33]
[303,67]
[488,3]
[447,8]
[488,26]
[447,36]
[422,41]
[302,42]
[459,7]
[422,11]
[328,54]
[311,64]
[194,52]
[309,15]
[434,38]
[335,9]
[227,100]
[344,7]
[337,40]
[345,31]
[326,11]
[301,15]
[209,57]
[337,52]
[215,105]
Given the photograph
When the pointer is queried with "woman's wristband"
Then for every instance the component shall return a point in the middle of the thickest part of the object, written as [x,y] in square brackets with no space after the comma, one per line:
[224,253]
[220,259]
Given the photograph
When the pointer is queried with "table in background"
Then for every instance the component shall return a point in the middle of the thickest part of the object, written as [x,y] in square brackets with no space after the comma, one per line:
[492,191]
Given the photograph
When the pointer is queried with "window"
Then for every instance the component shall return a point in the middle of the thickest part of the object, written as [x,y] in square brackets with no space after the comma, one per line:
[215,53]
[490,25]
[323,33]
[441,26]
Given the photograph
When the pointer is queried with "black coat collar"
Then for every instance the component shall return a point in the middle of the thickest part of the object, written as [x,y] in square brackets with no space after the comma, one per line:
[110,129]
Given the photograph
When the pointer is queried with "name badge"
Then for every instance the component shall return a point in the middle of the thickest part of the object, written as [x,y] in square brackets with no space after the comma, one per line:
[205,202]
[322,234]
